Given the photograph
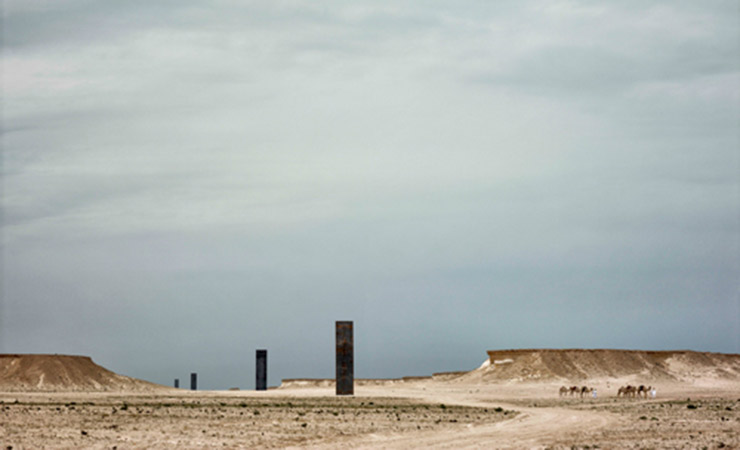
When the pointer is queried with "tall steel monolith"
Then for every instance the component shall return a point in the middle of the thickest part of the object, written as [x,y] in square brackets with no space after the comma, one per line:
[261,366]
[193,381]
[345,359]
[177,382]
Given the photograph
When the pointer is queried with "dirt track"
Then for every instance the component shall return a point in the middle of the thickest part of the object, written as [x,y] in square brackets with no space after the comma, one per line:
[530,428]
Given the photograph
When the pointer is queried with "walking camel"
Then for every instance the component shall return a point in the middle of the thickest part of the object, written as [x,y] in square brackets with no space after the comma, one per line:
[627,391]
[643,391]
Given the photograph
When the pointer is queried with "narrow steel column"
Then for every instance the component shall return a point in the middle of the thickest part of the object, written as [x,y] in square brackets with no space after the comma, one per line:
[193,381]
[261,366]
[345,359]
[177,382]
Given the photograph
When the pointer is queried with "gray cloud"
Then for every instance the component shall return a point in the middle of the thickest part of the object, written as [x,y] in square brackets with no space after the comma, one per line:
[184,183]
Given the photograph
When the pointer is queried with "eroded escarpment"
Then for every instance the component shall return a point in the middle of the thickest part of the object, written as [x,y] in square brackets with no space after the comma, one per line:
[589,364]
[62,373]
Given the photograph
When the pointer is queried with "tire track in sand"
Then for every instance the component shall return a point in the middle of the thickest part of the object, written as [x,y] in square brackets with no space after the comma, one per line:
[531,428]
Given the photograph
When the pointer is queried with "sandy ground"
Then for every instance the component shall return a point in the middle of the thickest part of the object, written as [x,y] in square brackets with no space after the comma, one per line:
[405,415]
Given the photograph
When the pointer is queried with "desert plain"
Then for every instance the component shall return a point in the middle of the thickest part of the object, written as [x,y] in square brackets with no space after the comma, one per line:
[511,401]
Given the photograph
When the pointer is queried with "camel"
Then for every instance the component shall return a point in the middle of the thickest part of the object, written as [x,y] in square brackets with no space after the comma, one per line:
[564,391]
[643,391]
[586,390]
[573,391]
[627,391]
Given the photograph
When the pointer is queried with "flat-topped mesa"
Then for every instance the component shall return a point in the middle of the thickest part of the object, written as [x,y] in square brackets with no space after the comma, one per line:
[583,364]
[60,373]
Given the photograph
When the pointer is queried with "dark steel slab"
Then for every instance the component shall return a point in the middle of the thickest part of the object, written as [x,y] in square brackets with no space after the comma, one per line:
[345,359]
[261,366]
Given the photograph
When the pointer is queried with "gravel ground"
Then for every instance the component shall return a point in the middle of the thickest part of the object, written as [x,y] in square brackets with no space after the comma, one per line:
[156,421]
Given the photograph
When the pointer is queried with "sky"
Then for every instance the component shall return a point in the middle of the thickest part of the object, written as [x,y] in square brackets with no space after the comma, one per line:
[184,182]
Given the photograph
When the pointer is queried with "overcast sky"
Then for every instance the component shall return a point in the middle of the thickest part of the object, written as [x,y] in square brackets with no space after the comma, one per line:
[186,182]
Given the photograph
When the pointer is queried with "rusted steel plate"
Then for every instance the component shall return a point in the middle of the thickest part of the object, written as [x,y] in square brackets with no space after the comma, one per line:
[345,359]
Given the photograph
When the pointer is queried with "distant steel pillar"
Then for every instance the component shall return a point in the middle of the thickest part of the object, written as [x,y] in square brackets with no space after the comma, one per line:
[193,381]
[345,381]
[177,382]
[261,366]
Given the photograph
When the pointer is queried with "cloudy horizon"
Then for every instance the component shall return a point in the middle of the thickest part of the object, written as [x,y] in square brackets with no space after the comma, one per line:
[186,182]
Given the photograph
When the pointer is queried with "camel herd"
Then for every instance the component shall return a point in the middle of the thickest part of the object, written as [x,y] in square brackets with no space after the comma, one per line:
[636,391]
[575,391]
[624,391]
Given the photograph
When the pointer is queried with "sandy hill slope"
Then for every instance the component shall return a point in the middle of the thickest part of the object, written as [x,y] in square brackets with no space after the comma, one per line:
[49,373]
[590,364]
